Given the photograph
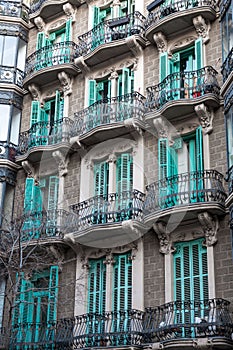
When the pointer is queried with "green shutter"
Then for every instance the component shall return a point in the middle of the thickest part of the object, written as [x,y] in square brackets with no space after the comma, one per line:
[163,158]
[101,175]
[53,294]
[122,283]
[92,92]
[97,286]
[95,16]
[35,112]
[40,40]
[198,53]
[57,114]
[163,63]
[51,224]
[124,173]
[28,194]
[68,30]
[199,150]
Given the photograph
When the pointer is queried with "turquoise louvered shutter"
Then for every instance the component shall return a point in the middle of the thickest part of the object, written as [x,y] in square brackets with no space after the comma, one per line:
[37,199]
[35,112]
[58,114]
[124,172]
[198,54]
[199,149]
[92,92]
[122,283]
[53,192]
[101,175]
[95,16]
[27,314]
[53,294]
[19,297]
[68,36]
[40,40]
[163,66]
[28,194]
[163,158]
[97,286]
[190,275]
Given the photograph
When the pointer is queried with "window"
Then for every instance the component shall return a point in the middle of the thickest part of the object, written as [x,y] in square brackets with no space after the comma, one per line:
[54,49]
[4,130]
[36,304]
[97,286]
[37,197]
[8,50]
[46,121]
[227,31]
[229,128]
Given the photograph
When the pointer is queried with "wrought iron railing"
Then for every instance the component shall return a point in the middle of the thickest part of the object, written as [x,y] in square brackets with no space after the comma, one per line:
[227,66]
[229,179]
[183,85]
[175,320]
[169,7]
[49,56]
[110,30]
[8,150]
[14,9]
[188,319]
[11,75]
[115,207]
[186,188]
[45,133]
[109,111]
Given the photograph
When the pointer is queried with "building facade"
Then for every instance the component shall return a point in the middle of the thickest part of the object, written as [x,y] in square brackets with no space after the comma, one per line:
[120,164]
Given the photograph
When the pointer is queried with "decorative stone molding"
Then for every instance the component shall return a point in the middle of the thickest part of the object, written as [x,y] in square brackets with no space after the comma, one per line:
[202,28]
[30,170]
[109,260]
[62,161]
[113,75]
[206,117]
[161,41]
[130,123]
[56,25]
[133,45]
[85,263]
[80,63]
[35,92]
[69,11]
[40,24]
[165,241]
[202,343]
[66,83]
[180,44]
[210,226]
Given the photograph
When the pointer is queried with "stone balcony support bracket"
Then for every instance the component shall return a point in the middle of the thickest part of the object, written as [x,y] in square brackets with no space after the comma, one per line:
[210,226]
[206,117]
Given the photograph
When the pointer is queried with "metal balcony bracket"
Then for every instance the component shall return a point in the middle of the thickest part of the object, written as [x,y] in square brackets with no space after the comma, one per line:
[210,226]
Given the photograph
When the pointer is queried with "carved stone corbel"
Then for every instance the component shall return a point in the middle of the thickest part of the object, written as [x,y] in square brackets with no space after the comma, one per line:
[202,28]
[210,226]
[66,83]
[161,41]
[62,161]
[30,170]
[206,117]
[202,343]
[40,24]
[80,63]
[133,45]
[130,123]
[35,92]
[85,262]
[69,11]
[165,241]
[109,260]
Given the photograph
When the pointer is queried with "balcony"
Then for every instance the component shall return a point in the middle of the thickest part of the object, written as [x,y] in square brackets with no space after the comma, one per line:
[109,39]
[100,219]
[187,194]
[185,89]
[11,75]
[171,325]
[8,150]
[49,8]
[229,179]
[109,118]
[44,137]
[46,63]
[178,15]
[14,9]
[227,72]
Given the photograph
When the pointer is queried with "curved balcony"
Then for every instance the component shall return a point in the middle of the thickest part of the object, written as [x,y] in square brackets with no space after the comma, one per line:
[14,9]
[11,75]
[178,15]
[177,324]
[44,138]
[8,150]
[100,220]
[108,118]
[229,179]
[49,8]
[185,196]
[46,63]
[227,66]
[185,89]
[108,39]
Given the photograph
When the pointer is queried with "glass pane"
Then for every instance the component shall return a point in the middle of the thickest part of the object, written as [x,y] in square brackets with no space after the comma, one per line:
[21,55]
[15,126]
[9,53]
[1,47]
[4,121]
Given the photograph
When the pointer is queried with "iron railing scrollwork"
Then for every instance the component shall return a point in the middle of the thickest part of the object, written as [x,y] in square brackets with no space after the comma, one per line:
[109,111]
[227,66]
[183,85]
[110,30]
